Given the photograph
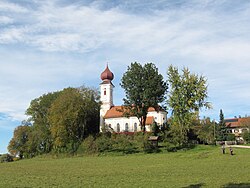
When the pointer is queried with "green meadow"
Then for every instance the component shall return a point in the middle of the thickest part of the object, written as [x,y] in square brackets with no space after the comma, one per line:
[203,166]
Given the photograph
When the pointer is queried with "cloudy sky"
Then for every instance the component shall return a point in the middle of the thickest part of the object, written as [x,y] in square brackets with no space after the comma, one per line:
[47,45]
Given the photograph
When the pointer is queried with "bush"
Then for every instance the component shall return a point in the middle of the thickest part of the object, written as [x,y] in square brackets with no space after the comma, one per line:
[246,136]
[230,137]
[88,146]
[103,143]
[6,158]
[123,143]
[170,147]
[117,143]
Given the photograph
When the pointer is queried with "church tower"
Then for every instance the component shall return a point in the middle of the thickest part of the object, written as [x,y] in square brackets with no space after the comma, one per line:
[106,88]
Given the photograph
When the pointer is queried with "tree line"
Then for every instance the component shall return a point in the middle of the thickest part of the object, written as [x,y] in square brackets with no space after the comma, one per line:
[61,121]
[58,121]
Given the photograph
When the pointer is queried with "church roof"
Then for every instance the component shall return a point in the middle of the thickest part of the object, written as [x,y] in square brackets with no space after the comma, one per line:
[107,75]
[117,112]
[149,120]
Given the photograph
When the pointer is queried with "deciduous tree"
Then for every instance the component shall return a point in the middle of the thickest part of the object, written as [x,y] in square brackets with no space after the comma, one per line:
[38,115]
[144,87]
[72,116]
[18,144]
[206,131]
[187,95]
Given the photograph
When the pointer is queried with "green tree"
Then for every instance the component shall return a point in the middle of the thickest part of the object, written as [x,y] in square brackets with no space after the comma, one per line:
[206,132]
[18,144]
[222,129]
[144,87]
[187,95]
[245,123]
[38,115]
[246,136]
[73,116]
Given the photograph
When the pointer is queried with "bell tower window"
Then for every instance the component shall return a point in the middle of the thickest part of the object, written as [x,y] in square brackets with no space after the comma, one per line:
[105,92]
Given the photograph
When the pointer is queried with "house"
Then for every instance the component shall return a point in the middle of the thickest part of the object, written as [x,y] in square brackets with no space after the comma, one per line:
[113,116]
[237,126]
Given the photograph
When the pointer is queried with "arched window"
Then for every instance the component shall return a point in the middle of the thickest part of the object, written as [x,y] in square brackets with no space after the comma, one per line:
[105,92]
[118,127]
[126,127]
[135,127]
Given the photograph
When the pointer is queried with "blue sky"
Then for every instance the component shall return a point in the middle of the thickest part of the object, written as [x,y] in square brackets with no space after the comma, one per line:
[52,44]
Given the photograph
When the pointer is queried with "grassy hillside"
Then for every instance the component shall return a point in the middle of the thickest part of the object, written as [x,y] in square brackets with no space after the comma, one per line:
[203,166]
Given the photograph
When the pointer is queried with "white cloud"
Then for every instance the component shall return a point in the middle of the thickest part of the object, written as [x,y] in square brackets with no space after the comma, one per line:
[11,7]
[203,35]
[5,20]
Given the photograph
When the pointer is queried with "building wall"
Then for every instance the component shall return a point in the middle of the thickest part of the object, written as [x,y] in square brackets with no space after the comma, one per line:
[159,118]
[106,99]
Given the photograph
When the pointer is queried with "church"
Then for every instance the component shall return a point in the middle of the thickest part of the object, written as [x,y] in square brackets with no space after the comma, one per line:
[112,116]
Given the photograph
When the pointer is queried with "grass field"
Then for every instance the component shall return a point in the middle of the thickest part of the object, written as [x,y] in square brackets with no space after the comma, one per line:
[203,166]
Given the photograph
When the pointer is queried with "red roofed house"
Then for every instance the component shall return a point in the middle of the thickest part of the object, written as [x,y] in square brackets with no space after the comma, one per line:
[113,117]
[237,126]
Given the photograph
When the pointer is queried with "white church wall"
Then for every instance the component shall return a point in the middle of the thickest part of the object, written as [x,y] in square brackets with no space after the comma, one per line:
[122,121]
[159,117]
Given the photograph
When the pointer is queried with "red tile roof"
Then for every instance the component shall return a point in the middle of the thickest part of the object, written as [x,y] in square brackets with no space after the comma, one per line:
[149,120]
[117,112]
[114,112]
[236,122]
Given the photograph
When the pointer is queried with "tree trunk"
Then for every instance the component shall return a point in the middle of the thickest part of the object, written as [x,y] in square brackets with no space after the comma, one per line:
[144,124]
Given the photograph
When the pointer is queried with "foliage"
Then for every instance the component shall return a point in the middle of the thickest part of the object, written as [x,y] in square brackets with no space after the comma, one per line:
[117,143]
[144,87]
[230,137]
[155,128]
[246,136]
[206,132]
[6,158]
[72,117]
[187,95]
[176,136]
[222,129]
[123,143]
[204,165]
[59,120]
[18,144]
[38,112]
[88,146]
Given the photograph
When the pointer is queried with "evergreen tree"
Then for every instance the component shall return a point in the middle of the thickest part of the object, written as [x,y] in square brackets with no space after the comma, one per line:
[222,129]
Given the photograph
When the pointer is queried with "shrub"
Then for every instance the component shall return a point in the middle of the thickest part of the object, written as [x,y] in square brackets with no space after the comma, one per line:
[170,147]
[246,136]
[16,158]
[88,146]
[103,143]
[123,143]
[230,137]
[6,158]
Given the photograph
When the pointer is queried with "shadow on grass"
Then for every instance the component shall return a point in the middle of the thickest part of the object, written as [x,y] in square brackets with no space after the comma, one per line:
[195,185]
[236,185]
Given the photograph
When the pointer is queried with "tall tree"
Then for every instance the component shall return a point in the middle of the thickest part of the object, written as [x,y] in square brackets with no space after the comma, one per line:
[18,144]
[38,115]
[144,87]
[72,116]
[222,129]
[187,95]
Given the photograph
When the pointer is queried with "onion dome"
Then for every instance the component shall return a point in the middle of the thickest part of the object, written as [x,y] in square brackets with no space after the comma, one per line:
[107,74]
